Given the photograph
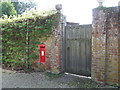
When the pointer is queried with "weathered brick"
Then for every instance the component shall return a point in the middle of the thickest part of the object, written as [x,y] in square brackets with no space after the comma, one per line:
[106,46]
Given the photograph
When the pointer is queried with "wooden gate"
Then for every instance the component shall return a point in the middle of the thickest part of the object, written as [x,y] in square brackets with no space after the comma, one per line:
[77,49]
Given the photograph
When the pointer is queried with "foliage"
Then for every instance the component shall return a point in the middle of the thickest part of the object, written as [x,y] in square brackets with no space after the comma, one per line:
[21,6]
[14,36]
[51,76]
[7,8]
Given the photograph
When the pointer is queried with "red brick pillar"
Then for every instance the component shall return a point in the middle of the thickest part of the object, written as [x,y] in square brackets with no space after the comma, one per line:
[105,45]
[98,45]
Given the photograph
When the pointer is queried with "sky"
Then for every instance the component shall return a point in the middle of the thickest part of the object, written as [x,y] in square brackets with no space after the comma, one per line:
[78,11]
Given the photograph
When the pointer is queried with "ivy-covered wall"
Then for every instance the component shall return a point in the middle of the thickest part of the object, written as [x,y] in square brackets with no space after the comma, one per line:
[21,37]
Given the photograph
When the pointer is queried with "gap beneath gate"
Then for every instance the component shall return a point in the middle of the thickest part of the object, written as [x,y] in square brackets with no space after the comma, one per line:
[78,75]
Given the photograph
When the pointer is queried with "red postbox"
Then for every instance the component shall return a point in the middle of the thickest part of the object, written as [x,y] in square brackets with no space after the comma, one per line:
[42,53]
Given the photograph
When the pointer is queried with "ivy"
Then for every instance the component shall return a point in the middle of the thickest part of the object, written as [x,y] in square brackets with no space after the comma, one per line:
[14,36]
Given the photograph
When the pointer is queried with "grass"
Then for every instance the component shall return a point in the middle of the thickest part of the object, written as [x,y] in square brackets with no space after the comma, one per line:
[50,76]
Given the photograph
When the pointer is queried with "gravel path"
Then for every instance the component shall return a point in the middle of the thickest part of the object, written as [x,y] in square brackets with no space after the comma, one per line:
[12,79]
[28,80]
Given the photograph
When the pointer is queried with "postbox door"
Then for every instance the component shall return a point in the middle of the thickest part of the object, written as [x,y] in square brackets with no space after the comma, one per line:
[42,53]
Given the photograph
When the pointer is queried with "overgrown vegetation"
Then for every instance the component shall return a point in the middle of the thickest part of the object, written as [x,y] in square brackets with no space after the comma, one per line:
[22,35]
[50,76]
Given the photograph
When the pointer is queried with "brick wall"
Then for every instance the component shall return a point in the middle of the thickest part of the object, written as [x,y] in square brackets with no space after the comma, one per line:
[105,45]
[54,47]
[53,50]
